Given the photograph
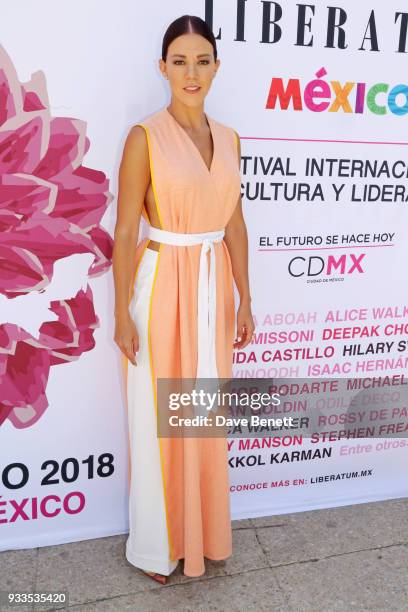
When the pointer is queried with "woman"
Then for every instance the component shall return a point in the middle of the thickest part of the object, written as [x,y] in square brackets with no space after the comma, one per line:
[180,170]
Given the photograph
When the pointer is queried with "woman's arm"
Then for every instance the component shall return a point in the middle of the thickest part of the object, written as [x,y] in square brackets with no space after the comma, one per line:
[134,178]
[236,239]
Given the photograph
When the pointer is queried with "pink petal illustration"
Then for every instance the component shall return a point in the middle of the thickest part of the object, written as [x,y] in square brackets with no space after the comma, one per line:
[51,206]
[24,375]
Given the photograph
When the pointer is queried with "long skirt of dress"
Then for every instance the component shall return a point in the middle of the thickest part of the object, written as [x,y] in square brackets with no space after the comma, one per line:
[147,546]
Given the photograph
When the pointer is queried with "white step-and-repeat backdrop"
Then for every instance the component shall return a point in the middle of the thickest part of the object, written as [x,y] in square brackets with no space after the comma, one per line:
[319,96]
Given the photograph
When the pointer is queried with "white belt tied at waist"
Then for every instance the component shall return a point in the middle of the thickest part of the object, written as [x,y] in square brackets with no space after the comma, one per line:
[207,293]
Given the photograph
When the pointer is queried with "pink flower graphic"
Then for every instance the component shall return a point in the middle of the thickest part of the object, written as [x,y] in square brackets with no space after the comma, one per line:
[51,206]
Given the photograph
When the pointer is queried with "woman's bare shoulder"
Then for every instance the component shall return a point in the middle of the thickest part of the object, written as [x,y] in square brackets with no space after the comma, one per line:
[136,135]
[136,145]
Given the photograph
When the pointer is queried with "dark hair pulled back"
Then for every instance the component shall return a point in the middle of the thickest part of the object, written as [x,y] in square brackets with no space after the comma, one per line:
[187,24]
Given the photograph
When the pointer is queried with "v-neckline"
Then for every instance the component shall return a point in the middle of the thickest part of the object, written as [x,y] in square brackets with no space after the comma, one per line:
[209,122]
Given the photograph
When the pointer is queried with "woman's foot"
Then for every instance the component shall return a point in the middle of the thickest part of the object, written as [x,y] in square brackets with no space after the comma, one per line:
[157,577]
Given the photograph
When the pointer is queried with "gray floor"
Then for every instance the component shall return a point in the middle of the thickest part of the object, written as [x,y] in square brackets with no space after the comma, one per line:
[354,557]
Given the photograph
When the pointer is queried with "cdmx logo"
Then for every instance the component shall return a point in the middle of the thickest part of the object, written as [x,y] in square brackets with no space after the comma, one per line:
[331,265]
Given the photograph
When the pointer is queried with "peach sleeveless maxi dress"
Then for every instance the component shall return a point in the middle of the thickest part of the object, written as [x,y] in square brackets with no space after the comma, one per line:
[179,504]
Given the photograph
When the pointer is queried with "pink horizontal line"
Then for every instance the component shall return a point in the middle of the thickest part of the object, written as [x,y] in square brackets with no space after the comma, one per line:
[357,246]
[370,142]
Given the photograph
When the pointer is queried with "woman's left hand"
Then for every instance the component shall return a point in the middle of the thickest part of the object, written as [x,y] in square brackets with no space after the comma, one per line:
[245,326]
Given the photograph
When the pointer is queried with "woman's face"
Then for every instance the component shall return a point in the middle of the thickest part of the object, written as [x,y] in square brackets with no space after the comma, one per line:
[190,62]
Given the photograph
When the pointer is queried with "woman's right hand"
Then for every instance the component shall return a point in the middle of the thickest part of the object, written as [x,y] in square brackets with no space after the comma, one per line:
[127,337]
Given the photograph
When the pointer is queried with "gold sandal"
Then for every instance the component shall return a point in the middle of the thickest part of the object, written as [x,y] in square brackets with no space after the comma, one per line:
[157,577]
